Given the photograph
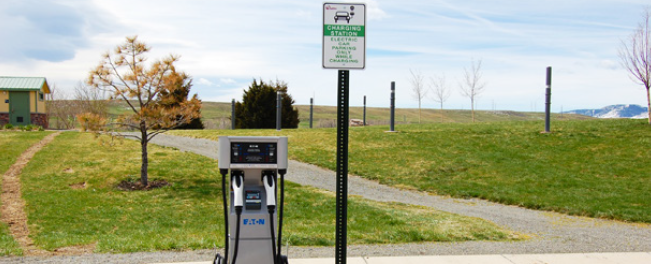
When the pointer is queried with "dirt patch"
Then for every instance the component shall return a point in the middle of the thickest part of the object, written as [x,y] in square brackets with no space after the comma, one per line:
[13,205]
[75,250]
[78,186]
[129,185]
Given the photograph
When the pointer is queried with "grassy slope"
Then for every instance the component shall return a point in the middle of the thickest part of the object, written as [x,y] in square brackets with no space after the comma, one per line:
[380,116]
[213,112]
[12,144]
[594,168]
[186,215]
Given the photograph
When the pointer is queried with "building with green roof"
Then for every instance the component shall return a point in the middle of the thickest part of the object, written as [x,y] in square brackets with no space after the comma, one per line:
[22,101]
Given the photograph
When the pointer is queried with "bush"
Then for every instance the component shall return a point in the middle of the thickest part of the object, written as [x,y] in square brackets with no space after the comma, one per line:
[258,107]
[91,122]
[9,126]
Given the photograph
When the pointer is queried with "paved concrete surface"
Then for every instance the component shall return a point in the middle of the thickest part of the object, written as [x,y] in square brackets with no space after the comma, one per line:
[573,258]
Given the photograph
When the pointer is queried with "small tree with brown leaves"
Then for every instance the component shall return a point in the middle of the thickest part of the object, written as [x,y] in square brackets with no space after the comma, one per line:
[635,55]
[124,74]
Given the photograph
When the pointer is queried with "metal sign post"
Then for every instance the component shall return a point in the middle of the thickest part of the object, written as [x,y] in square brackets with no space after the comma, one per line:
[311,111]
[344,48]
[548,100]
[364,111]
[233,115]
[279,110]
[393,106]
[341,230]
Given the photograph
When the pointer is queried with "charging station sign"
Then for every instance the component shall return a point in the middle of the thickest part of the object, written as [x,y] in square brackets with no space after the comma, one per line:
[344,40]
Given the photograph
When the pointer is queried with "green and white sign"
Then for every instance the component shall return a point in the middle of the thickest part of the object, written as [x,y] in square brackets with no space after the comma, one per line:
[344,41]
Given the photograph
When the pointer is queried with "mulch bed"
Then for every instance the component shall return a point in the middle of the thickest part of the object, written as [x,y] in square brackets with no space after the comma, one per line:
[128,185]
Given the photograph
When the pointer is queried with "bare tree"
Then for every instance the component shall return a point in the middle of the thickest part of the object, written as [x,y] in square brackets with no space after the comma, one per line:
[418,89]
[64,109]
[472,84]
[90,100]
[635,55]
[438,85]
[124,74]
[61,109]
[54,107]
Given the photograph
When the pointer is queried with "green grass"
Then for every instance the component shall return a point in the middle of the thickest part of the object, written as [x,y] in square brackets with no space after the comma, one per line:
[310,221]
[217,115]
[327,115]
[187,214]
[12,144]
[593,168]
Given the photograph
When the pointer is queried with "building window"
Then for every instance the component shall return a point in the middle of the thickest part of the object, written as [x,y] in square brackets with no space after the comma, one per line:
[41,96]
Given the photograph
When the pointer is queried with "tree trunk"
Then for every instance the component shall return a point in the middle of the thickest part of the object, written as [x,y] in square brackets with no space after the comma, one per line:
[441,111]
[648,103]
[472,108]
[145,160]
[419,113]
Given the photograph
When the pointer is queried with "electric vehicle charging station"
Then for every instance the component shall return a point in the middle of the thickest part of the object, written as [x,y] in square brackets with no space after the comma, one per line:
[254,164]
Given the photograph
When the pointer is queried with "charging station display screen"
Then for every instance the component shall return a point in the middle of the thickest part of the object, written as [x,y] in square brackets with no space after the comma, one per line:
[253,200]
[264,153]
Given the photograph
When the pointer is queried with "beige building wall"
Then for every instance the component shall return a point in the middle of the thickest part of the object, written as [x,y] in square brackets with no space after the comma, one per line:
[32,101]
[4,107]
[36,105]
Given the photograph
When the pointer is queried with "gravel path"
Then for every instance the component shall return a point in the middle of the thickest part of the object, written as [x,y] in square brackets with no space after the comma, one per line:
[550,232]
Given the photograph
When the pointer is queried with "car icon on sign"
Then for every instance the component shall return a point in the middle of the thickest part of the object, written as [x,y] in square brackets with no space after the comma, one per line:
[342,14]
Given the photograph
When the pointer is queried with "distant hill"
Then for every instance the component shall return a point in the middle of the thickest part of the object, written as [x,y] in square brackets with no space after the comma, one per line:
[614,111]
[217,114]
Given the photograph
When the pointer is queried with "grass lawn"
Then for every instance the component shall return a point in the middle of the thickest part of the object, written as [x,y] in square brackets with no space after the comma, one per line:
[326,116]
[214,113]
[12,144]
[70,191]
[594,168]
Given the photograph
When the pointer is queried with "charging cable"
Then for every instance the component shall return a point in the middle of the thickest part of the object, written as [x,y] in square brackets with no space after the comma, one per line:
[237,181]
[280,214]
[218,258]
[270,189]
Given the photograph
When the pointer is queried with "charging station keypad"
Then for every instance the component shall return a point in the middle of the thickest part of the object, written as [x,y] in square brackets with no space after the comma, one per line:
[264,153]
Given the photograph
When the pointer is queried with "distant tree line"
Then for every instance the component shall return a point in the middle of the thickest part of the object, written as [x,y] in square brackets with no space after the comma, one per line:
[471,86]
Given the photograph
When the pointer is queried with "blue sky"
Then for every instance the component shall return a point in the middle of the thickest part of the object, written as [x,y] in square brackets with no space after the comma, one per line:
[225,44]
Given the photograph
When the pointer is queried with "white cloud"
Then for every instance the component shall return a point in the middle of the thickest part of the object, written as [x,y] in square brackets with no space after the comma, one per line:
[204,81]
[305,14]
[374,11]
[271,39]
[46,30]
[609,64]
[227,80]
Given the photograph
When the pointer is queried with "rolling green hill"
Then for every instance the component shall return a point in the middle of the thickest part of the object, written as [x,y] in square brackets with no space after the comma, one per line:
[216,114]
[593,168]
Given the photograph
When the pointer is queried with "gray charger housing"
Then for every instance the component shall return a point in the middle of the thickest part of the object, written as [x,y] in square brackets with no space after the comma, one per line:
[252,156]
